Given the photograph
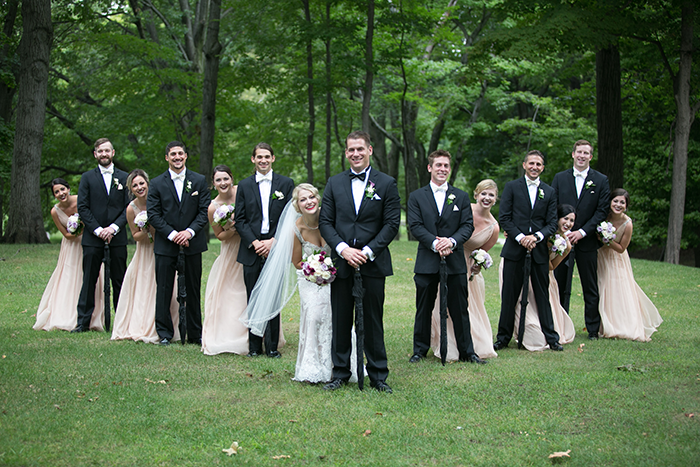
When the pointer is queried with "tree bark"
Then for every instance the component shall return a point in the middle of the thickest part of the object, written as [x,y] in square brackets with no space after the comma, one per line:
[329,95]
[609,115]
[25,223]
[312,110]
[7,92]
[684,119]
[212,51]
[369,68]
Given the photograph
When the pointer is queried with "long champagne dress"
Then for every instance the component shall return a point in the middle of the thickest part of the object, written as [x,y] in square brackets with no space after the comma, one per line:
[314,362]
[58,308]
[625,310]
[135,317]
[481,332]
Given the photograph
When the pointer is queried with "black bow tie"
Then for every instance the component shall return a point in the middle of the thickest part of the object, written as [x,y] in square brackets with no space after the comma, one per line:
[360,176]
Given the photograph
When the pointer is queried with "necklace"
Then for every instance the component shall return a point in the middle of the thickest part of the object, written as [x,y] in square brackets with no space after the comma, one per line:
[307,225]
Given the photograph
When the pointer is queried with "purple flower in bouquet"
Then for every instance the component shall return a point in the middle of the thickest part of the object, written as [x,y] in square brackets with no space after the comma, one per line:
[606,231]
[558,244]
[481,258]
[223,213]
[74,225]
[319,268]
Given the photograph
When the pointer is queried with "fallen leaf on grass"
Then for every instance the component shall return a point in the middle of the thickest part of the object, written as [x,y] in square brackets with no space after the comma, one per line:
[93,399]
[25,310]
[409,259]
[580,347]
[4,356]
[459,428]
[57,406]
[281,456]
[379,413]
[249,375]
[292,421]
[560,454]
[232,450]
[367,433]
[162,381]
[689,415]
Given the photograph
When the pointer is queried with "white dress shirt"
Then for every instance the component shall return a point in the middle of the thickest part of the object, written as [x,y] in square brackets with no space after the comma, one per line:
[358,191]
[532,187]
[179,182]
[107,177]
[265,186]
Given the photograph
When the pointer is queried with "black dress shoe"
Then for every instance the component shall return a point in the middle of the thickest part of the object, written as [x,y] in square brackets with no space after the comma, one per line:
[194,341]
[556,347]
[498,345]
[381,386]
[79,329]
[335,383]
[474,358]
[274,354]
[416,358]
[593,336]
[253,353]
[164,341]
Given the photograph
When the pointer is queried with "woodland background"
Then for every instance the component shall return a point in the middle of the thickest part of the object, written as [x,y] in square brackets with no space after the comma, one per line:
[486,80]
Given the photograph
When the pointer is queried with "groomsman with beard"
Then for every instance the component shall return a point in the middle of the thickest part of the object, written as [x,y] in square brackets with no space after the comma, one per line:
[588,191]
[260,200]
[177,208]
[440,217]
[528,214]
[102,201]
[360,216]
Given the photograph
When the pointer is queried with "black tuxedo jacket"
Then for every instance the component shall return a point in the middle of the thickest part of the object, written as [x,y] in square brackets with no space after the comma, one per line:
[516,216]
[248,214]
[375,225]
[426,224]
[166,213]
[591,207]
[97,209]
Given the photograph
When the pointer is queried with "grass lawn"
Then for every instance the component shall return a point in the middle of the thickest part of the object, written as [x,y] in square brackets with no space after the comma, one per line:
[70,400]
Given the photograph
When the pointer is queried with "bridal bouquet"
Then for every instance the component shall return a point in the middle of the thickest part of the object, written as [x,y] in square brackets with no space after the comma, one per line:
[74,225]
[141,221]
[607,232]
[481,258]
[558,244]
[318,268]
[223,213]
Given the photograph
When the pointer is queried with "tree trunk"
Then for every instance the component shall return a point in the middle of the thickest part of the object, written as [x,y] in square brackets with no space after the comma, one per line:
[7,92]
[212,51]
[25,223]
[369,68]
[329,96]
[312,111]
[609,115]
[684,119]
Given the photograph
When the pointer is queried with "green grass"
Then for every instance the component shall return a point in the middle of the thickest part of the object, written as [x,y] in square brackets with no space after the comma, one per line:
[69,399]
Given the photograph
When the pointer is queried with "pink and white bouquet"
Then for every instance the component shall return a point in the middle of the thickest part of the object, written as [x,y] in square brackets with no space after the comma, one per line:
[319,269]
[74,225]
[606,231]
[481,258]
[223,213]
[141,221]
[558,244]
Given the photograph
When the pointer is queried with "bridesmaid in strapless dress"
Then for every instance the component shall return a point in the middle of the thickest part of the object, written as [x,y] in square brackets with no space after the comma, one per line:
[58,306]
[134,318]
[225,297]
[484,237]
[625,310]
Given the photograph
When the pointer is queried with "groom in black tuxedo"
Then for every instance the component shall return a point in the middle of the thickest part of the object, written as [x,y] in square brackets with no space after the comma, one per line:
[528,214]
[588,191]
[260,200]
[440,217]
[177,208]
[360,216]
[102,201]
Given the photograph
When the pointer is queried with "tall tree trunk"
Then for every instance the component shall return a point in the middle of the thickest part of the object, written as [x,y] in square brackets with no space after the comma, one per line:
[609,115]
[25,223]
[312,110]
[369,68]
[329,96]
[684,119]
[212,51]
[7,92]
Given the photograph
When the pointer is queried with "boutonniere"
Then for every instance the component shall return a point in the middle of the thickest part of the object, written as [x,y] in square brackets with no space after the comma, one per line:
[370,190]
[188,186]
[451,199]
[589,184]
[278,195]
[541,194]
[116,183]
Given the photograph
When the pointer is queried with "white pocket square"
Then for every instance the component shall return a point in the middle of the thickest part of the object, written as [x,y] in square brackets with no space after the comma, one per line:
[376,196]
[195,193]
[455,208]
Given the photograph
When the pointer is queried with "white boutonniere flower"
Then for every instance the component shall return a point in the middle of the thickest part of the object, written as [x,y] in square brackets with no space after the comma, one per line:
[370,190]
[589,184]
[541,194]
[278,195]
[188,186]
[116,183]
[451,198]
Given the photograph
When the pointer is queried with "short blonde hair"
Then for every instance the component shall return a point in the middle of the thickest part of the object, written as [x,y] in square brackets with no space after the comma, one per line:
[485,185]
[295,194]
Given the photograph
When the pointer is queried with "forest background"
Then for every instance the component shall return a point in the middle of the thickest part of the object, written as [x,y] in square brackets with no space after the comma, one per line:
[485,80]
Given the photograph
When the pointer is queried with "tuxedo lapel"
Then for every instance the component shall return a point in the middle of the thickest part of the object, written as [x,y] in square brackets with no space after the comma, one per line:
[526,194]
[101,181]
[447,208]
[365,199]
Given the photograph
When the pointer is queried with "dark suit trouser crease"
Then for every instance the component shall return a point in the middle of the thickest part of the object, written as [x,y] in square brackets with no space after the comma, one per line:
[166,267]
[513,279]
[92,262]
[457,302]
[272,330]
[587,264]
[343,306]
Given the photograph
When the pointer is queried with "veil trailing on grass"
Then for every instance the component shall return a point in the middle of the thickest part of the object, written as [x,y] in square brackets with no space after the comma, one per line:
[278,279]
